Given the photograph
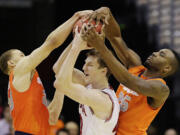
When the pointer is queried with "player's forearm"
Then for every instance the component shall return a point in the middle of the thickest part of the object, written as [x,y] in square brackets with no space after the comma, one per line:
[55,107]
[66,71]
[126,55]
[63,80]
[61,59]
[59,35]
[76,92]
[120,48]
[134,83]
[117,69]
[113,28]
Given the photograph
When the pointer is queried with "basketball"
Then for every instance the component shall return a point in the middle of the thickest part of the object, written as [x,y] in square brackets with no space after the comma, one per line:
[81,21]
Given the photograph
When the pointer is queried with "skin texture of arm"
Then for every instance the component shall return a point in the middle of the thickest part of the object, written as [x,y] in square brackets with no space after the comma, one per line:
[54,40]
[150,88]
[56,104]
[55,107]
[78,76]
[23,70]
[97,100]
[113,33]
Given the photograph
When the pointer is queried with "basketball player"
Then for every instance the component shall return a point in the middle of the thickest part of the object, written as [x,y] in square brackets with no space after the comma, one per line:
[142,91]
[26,94]
[99,108]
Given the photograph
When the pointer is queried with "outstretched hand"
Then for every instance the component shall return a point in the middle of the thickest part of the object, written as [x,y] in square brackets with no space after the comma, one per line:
[78,41]
[100,15]
[104,15]
[93,38]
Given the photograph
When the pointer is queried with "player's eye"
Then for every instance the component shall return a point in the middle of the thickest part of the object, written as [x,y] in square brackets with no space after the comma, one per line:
[162,54]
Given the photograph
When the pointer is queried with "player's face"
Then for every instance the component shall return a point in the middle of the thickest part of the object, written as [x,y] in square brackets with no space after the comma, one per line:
[92,70]
[17,55]
[63,133]
[160,60]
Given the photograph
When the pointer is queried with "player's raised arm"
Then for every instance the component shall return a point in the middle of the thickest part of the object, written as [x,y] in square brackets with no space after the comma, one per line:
[151,88]
[55,106]
[78,76]
[54,40]
[93,98]
[113,33]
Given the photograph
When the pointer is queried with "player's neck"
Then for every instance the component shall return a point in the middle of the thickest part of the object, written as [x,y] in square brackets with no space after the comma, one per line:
[151,74]
[101,84]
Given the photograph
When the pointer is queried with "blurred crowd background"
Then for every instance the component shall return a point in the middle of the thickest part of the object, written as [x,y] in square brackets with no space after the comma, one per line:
[146,25]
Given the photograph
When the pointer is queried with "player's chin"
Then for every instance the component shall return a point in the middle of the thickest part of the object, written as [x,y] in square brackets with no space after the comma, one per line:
[87,80]
[147,64]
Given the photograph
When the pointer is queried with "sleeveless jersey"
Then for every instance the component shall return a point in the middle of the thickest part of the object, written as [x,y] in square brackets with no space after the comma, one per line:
[92,125]
[28,109]
[136,114]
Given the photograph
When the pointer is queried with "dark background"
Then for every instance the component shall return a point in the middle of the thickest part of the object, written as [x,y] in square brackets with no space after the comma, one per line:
[26,24]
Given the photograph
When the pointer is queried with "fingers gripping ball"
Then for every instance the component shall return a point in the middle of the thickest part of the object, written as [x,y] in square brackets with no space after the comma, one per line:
[81,21]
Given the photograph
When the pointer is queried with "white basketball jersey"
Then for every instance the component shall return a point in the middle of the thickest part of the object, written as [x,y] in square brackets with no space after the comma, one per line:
[92,125]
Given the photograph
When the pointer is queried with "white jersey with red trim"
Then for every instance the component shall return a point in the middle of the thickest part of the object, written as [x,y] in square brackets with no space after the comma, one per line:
[92,125]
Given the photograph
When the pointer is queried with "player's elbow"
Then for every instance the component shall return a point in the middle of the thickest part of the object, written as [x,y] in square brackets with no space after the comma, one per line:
[56,84]
[52,41]
[164,93]
[124,79]
[54,69]
[61,85]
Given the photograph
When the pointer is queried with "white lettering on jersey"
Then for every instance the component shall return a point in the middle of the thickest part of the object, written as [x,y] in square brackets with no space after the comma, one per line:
[10,99]
[124,101]
[39,81]
[130,91]
[44,99]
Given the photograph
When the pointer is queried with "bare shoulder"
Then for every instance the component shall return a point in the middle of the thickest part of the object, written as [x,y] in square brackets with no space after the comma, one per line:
[22,82]
[162,92]
[159,85]
[19,68]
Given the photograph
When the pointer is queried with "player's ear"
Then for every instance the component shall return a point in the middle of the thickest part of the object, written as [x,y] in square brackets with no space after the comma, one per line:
[104,70]
[167,69]
[11,63]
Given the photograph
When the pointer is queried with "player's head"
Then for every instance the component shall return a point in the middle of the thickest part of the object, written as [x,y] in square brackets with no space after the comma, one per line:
[62,131]
[165,62]
[9,59]
[170,131]
[95,68]
[72,127]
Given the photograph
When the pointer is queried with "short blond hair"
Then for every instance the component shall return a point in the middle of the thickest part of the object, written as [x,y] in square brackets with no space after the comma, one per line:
[4,58]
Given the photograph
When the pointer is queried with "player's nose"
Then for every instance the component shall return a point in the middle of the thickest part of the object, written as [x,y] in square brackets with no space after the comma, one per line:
[154,54]
[84,68]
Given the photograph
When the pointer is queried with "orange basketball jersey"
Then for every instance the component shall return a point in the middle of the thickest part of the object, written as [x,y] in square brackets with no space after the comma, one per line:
[28,109]
[135,113]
